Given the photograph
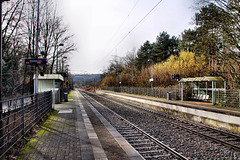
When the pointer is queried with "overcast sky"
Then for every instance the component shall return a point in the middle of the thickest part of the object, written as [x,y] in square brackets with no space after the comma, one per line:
[100,26]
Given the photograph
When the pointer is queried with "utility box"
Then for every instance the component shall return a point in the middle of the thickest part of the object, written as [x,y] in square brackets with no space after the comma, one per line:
[65,96]
[169,96]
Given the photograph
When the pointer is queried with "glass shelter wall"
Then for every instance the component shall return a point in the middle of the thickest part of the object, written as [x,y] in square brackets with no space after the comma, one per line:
[204,88]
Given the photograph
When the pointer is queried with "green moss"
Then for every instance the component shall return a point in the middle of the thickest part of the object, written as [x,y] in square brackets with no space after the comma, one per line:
[71,96]
[45,127]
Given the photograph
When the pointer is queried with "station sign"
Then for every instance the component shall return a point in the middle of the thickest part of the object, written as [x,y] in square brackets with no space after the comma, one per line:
[64,74]
[175,76]
[35,61]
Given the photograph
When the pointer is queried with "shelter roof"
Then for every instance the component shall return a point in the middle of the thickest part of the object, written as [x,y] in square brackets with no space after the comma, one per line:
[51,77]
[202,79]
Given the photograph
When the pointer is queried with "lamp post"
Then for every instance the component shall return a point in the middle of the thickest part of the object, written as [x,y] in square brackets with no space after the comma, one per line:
[151,80]
[63,63]
[177,50]
[61,44]
[132,75]
[62,71]
[37,36]
[179,67]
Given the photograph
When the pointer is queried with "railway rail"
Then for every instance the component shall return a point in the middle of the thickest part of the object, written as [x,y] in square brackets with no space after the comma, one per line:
[228,139]
[216,140]
[148,146]
[220,136]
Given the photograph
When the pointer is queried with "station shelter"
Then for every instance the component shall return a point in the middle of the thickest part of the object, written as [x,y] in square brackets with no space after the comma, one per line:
[50,82]
[202,88]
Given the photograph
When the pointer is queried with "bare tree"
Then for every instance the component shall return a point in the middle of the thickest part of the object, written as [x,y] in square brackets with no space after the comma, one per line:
[19,41]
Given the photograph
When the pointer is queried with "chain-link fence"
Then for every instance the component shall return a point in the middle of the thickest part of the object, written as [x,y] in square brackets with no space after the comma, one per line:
[170,93]
[19,115]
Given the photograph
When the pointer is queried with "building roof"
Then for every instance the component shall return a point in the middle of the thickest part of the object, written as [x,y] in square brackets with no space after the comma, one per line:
[50,77]
[202,79]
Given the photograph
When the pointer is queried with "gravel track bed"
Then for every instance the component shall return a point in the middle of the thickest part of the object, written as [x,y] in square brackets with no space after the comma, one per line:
[190,145]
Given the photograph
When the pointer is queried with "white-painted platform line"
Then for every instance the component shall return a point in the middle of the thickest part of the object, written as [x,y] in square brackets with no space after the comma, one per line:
[131,152]
[65,111]
[96,145]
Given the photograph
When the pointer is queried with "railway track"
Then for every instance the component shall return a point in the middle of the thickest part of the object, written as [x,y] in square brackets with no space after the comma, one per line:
[148,146]
[222,137]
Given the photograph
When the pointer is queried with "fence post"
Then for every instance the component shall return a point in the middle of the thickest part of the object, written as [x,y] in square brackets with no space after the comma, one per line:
[22,115]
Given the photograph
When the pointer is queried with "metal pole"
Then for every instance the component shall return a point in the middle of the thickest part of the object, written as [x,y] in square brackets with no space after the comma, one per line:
[132,76]
[152,76]
[151,80]
[94,85]
[1,54]
[179,73]
[53,94]
[62,65]
[118,79]
[1,109]
[213,97]
[57,61]
[36,75]
[179,65]
[61,44]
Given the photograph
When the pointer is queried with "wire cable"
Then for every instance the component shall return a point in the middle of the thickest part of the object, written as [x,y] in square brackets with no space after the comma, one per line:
[121,25]
[124,20]
[133,29]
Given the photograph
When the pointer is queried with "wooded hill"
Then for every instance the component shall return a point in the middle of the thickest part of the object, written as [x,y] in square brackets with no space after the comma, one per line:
[211,49]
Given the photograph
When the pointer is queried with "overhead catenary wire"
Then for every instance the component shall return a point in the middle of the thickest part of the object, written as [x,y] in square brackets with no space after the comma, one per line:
[124,20]
[137,24]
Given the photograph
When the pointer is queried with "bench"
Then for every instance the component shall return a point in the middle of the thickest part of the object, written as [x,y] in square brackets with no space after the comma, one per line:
[202,97]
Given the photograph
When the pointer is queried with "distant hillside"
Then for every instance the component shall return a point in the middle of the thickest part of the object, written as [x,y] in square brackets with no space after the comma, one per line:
[86,77]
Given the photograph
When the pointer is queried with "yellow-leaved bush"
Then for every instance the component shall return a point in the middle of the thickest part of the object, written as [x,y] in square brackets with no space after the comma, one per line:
[191,65]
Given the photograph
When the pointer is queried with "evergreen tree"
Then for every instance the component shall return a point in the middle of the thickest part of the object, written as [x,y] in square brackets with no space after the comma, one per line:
[143,54]
[164,47]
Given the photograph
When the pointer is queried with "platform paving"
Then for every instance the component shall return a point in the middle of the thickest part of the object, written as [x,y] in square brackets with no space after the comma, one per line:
[69,134]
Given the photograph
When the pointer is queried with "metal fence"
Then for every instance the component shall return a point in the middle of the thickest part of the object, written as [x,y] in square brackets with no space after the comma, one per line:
[153,92]
[229,98]
[19,115]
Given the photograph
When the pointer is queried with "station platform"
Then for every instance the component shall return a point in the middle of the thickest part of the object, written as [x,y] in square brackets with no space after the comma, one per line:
[221,117]
[70,134]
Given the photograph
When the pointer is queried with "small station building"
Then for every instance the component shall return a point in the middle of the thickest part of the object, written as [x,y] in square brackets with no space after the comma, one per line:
[50,82]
